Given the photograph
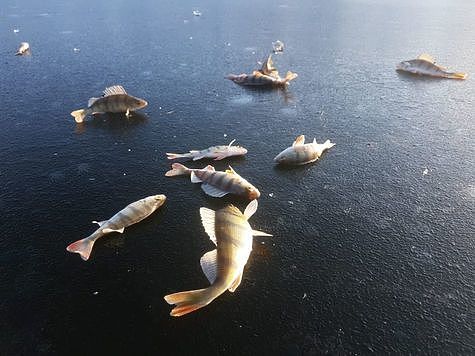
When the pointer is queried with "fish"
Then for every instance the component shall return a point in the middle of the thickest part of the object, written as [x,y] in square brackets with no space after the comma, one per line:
[425,65]
[216,152]
[301,153]
[131,214]
[278,46]
[115,99]
[262,80]
[216,183]
[229,230]
[23,49]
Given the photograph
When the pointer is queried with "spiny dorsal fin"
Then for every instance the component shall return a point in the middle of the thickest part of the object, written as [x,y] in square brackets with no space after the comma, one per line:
[207,219]
[114,90]
[300,140]
[230,143]
[209,265]
[426,57]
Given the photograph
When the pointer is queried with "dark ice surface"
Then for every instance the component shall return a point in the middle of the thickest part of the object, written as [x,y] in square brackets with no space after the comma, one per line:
[373,246]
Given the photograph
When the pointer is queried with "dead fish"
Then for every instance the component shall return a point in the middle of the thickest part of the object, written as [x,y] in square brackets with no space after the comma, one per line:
[115,100]
[215,183]
[216,152]
[302,153]
[278,46]
[131,214]
[23,49]
[259,79]
[230,231]
[425,65]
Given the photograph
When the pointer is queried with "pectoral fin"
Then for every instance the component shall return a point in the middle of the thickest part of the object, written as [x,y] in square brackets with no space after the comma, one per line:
[213,191]
[100,223]
[209,265]
[250,209]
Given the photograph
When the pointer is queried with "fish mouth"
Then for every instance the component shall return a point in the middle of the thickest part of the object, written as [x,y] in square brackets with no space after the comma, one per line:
[254,194]
[160,199]
[143,104]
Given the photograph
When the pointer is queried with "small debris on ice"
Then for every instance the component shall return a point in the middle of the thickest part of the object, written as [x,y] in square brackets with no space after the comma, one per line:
[76,50]
[16,30]
[425,172]
[304,296]
[196,12]
[95,293]
[271,195]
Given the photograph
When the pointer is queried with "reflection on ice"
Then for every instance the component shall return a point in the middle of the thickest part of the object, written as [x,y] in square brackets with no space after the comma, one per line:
[242,99]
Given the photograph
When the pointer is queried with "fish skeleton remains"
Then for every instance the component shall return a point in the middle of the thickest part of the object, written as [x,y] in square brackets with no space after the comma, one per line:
[230,231]
[23,49]
[131,214]
[216,152]
[115,100]
[425,65]
[215,183]
[267,76]
[301,152]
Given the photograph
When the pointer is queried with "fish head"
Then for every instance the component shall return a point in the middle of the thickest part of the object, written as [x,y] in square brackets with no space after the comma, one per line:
[155,201]
[252,192]
[237,151]
[282,157]
[403,66]
[138,103]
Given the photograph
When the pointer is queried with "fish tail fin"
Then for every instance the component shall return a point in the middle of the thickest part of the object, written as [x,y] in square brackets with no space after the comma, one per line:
[290,76]
[79,115]
[178,155]
[83,247]
[177,170]
[327,144]
[457,75]
[189,301]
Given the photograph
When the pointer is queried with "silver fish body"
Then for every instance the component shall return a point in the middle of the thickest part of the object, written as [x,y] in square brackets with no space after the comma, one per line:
[230,231]
[215,152]
[216,183]
[301,153]
[425,65]
[131,214]
[114,100]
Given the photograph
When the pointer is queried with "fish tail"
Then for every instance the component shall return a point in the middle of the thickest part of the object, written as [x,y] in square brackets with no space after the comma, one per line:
[177,170]
[189,301]
[79,115]
[457,76]
[290,76]
[327,144]
[83,247]
[178,155]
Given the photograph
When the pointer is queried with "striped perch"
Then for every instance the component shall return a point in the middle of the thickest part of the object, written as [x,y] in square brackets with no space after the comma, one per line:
[115,100]
[230,231]
[216,152]
[215,183]
[425,65]
[301,152]
[263,80]
[131,214]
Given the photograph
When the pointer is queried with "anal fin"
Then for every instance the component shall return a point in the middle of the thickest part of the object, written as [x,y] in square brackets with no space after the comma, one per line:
[236,283]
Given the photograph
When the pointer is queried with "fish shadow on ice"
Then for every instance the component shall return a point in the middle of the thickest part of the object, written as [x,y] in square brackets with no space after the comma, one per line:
[285,92]
[112,121]
[290,170]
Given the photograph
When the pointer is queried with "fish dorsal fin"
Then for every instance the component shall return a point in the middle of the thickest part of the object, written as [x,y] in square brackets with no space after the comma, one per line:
[209,265]
[426,57]
[231,143]
[114,90]
[250,209]
[207,219]
[314,141]
[300,140]
[236,283]
[268,65]
[91,101]
[230,170]
[100,223]
[213,191]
